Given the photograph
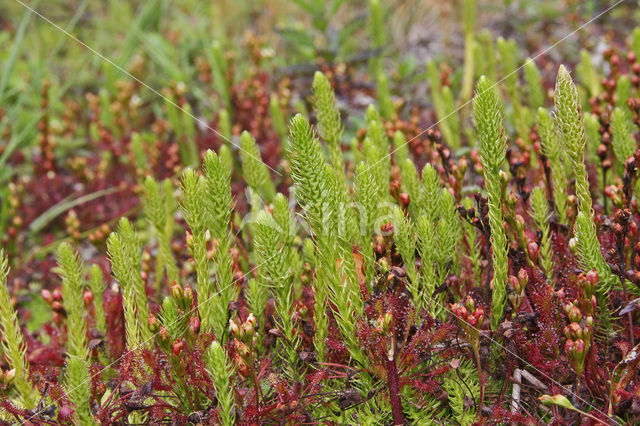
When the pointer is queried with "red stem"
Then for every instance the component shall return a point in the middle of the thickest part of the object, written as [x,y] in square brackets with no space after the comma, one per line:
[394,391]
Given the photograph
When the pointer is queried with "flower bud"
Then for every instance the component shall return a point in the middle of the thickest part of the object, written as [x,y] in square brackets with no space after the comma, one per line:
[574,314]
[251,320]
[464,314]
[513,282]
[233,328]
[177,347]
[241,348]
[188,296]
[87,298]
[246,331]
[176,292]
[153,323]
[504,177]
[533,250]
[519,223]
[241,366]
[523,278]
[469,304]
[57,306]
[463,163]
[194,326]
[47,296]
[8,376]
[163,337]
[57,294]
[589,321]
[569,347]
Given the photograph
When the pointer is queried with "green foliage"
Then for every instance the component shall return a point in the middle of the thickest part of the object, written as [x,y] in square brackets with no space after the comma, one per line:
[400,148]
[588,74]
[181,120]
[219,68]
[275,271]
[411,185]
[279,123]
[329,124]
[451,117]
[473,242]
[308,286]
[159,212]
[635,41]
[458,387]
[224,124]
[485,55]
[592,131]
[226,158]
[195,211]
[427,240]
[77,374]
[449,236]
[310,173]
[377,34]
[215,304]
[540,214]
[623,141]
[257,297]
[493,145]
[315,185]
[405,241]
[510,58]
[571,134]
[124,249]
[623,91]
[254,170]
[366,195]
[468,20]
[384,96]
[589,255]
[221,373]
[13,345]
[444,104]
[97,288]
[508,50]
[378,151]
[554,152]
[534,84]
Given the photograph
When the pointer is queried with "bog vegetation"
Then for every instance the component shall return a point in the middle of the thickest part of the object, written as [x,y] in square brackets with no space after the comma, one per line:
[303,258]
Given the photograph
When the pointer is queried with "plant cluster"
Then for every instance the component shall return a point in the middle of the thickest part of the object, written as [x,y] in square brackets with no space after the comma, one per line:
[338,269]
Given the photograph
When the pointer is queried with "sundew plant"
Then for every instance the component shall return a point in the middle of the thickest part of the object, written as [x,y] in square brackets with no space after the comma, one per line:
[200,230]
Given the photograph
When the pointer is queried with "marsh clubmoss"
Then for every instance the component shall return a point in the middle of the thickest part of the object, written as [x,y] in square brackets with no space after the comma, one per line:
[354,269]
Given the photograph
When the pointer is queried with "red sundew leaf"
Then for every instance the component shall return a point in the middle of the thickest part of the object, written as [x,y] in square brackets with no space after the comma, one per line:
[500,415]
[13,410]
[426,386]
